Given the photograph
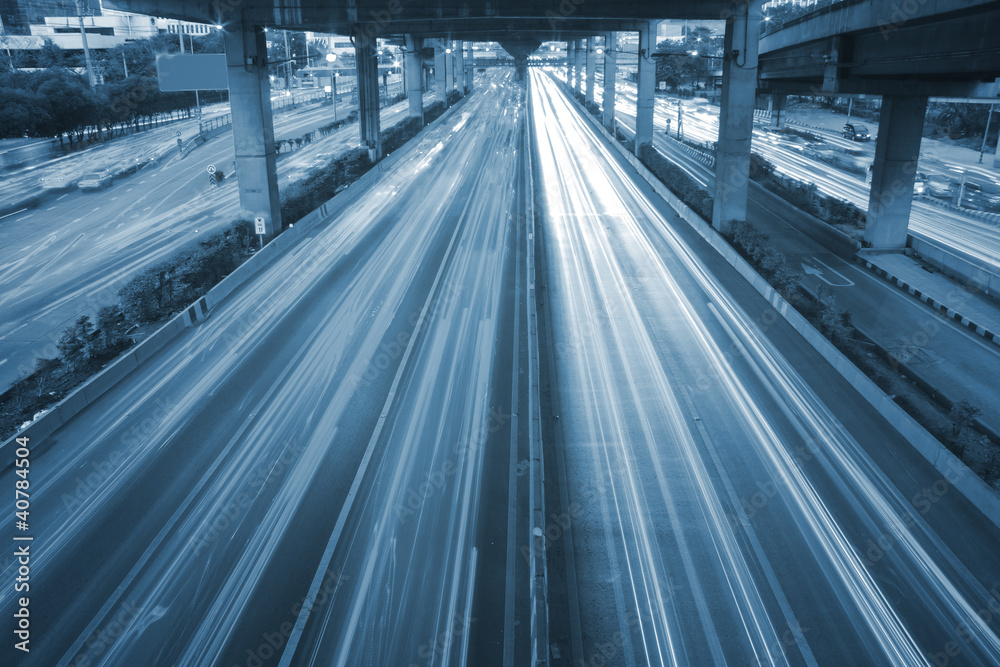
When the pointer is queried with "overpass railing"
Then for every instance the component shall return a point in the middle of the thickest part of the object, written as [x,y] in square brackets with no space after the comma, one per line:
[788,15]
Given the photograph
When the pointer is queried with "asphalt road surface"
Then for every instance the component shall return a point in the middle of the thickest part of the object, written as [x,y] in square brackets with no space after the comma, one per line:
[732,501]
[71,255]
[265,463]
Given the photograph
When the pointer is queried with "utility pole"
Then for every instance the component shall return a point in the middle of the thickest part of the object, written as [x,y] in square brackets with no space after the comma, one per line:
[986,132]
[288,63]
[86,49]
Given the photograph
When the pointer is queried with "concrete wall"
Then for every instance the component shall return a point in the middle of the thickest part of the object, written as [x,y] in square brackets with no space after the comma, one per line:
[957,265]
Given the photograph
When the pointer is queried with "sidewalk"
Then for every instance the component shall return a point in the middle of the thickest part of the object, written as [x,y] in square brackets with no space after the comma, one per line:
[972,309]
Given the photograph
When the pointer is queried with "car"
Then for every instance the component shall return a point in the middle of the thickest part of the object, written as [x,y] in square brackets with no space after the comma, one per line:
[856,132]
[96,180]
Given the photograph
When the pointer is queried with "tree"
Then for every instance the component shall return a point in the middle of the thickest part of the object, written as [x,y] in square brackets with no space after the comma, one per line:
[22,113]
[676,65]
[50,55]
[75,344]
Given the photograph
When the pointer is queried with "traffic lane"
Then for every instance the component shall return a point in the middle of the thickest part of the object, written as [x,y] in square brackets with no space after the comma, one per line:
[399,268]
[944,353]
[842,483]
[46,292]
[964,233]
[414,538]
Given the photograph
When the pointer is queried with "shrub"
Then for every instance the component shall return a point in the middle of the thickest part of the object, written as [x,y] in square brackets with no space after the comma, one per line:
[675,178]
[111,328]
[434,111]
[761,169]
[76,343]
[148,296]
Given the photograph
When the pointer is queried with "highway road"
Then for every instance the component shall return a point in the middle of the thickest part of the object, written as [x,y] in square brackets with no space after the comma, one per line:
[956,361]
[966,234]
[318,443]
[70,256]
[733,501]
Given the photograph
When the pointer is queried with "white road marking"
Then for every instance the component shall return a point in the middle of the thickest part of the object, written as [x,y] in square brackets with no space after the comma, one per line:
[813,271]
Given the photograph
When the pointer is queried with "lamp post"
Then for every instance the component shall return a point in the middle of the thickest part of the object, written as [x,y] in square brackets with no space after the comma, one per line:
[985,132]
[330,57]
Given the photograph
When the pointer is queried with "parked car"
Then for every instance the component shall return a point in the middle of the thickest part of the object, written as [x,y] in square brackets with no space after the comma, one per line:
[856,132]
[96,180]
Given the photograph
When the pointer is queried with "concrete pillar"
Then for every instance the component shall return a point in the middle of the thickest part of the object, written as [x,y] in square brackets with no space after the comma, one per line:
[776,105]
[645,88]
[610,76]
[591,67]
[460,67]
[739,88]
[366,55]
[253,127]
[571,63]
[440,64]
[581,57]
[901,123]
[414,94]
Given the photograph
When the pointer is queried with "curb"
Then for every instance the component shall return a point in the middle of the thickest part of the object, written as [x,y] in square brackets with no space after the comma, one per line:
[536,485]
[934,201]
[91,390]
[954,471]
[936,305]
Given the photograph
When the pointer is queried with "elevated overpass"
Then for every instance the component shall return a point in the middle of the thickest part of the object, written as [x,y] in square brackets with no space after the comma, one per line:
[904,51]
[519,26]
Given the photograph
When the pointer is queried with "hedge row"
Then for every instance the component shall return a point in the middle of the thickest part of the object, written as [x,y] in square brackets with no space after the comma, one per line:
[160,291]
[806,196]
[303,197]
[675,178]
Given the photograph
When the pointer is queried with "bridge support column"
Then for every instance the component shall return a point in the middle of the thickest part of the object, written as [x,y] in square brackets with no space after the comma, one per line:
[253,126]
[366,55]
[440,65]
[459,53]
[581,57]
[901,123]
[776,105]
[739,88]
[644,89]
[570,62]
[414,92]
[610,75]
[591,67]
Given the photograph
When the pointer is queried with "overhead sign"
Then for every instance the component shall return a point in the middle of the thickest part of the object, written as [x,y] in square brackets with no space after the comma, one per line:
[198,71]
